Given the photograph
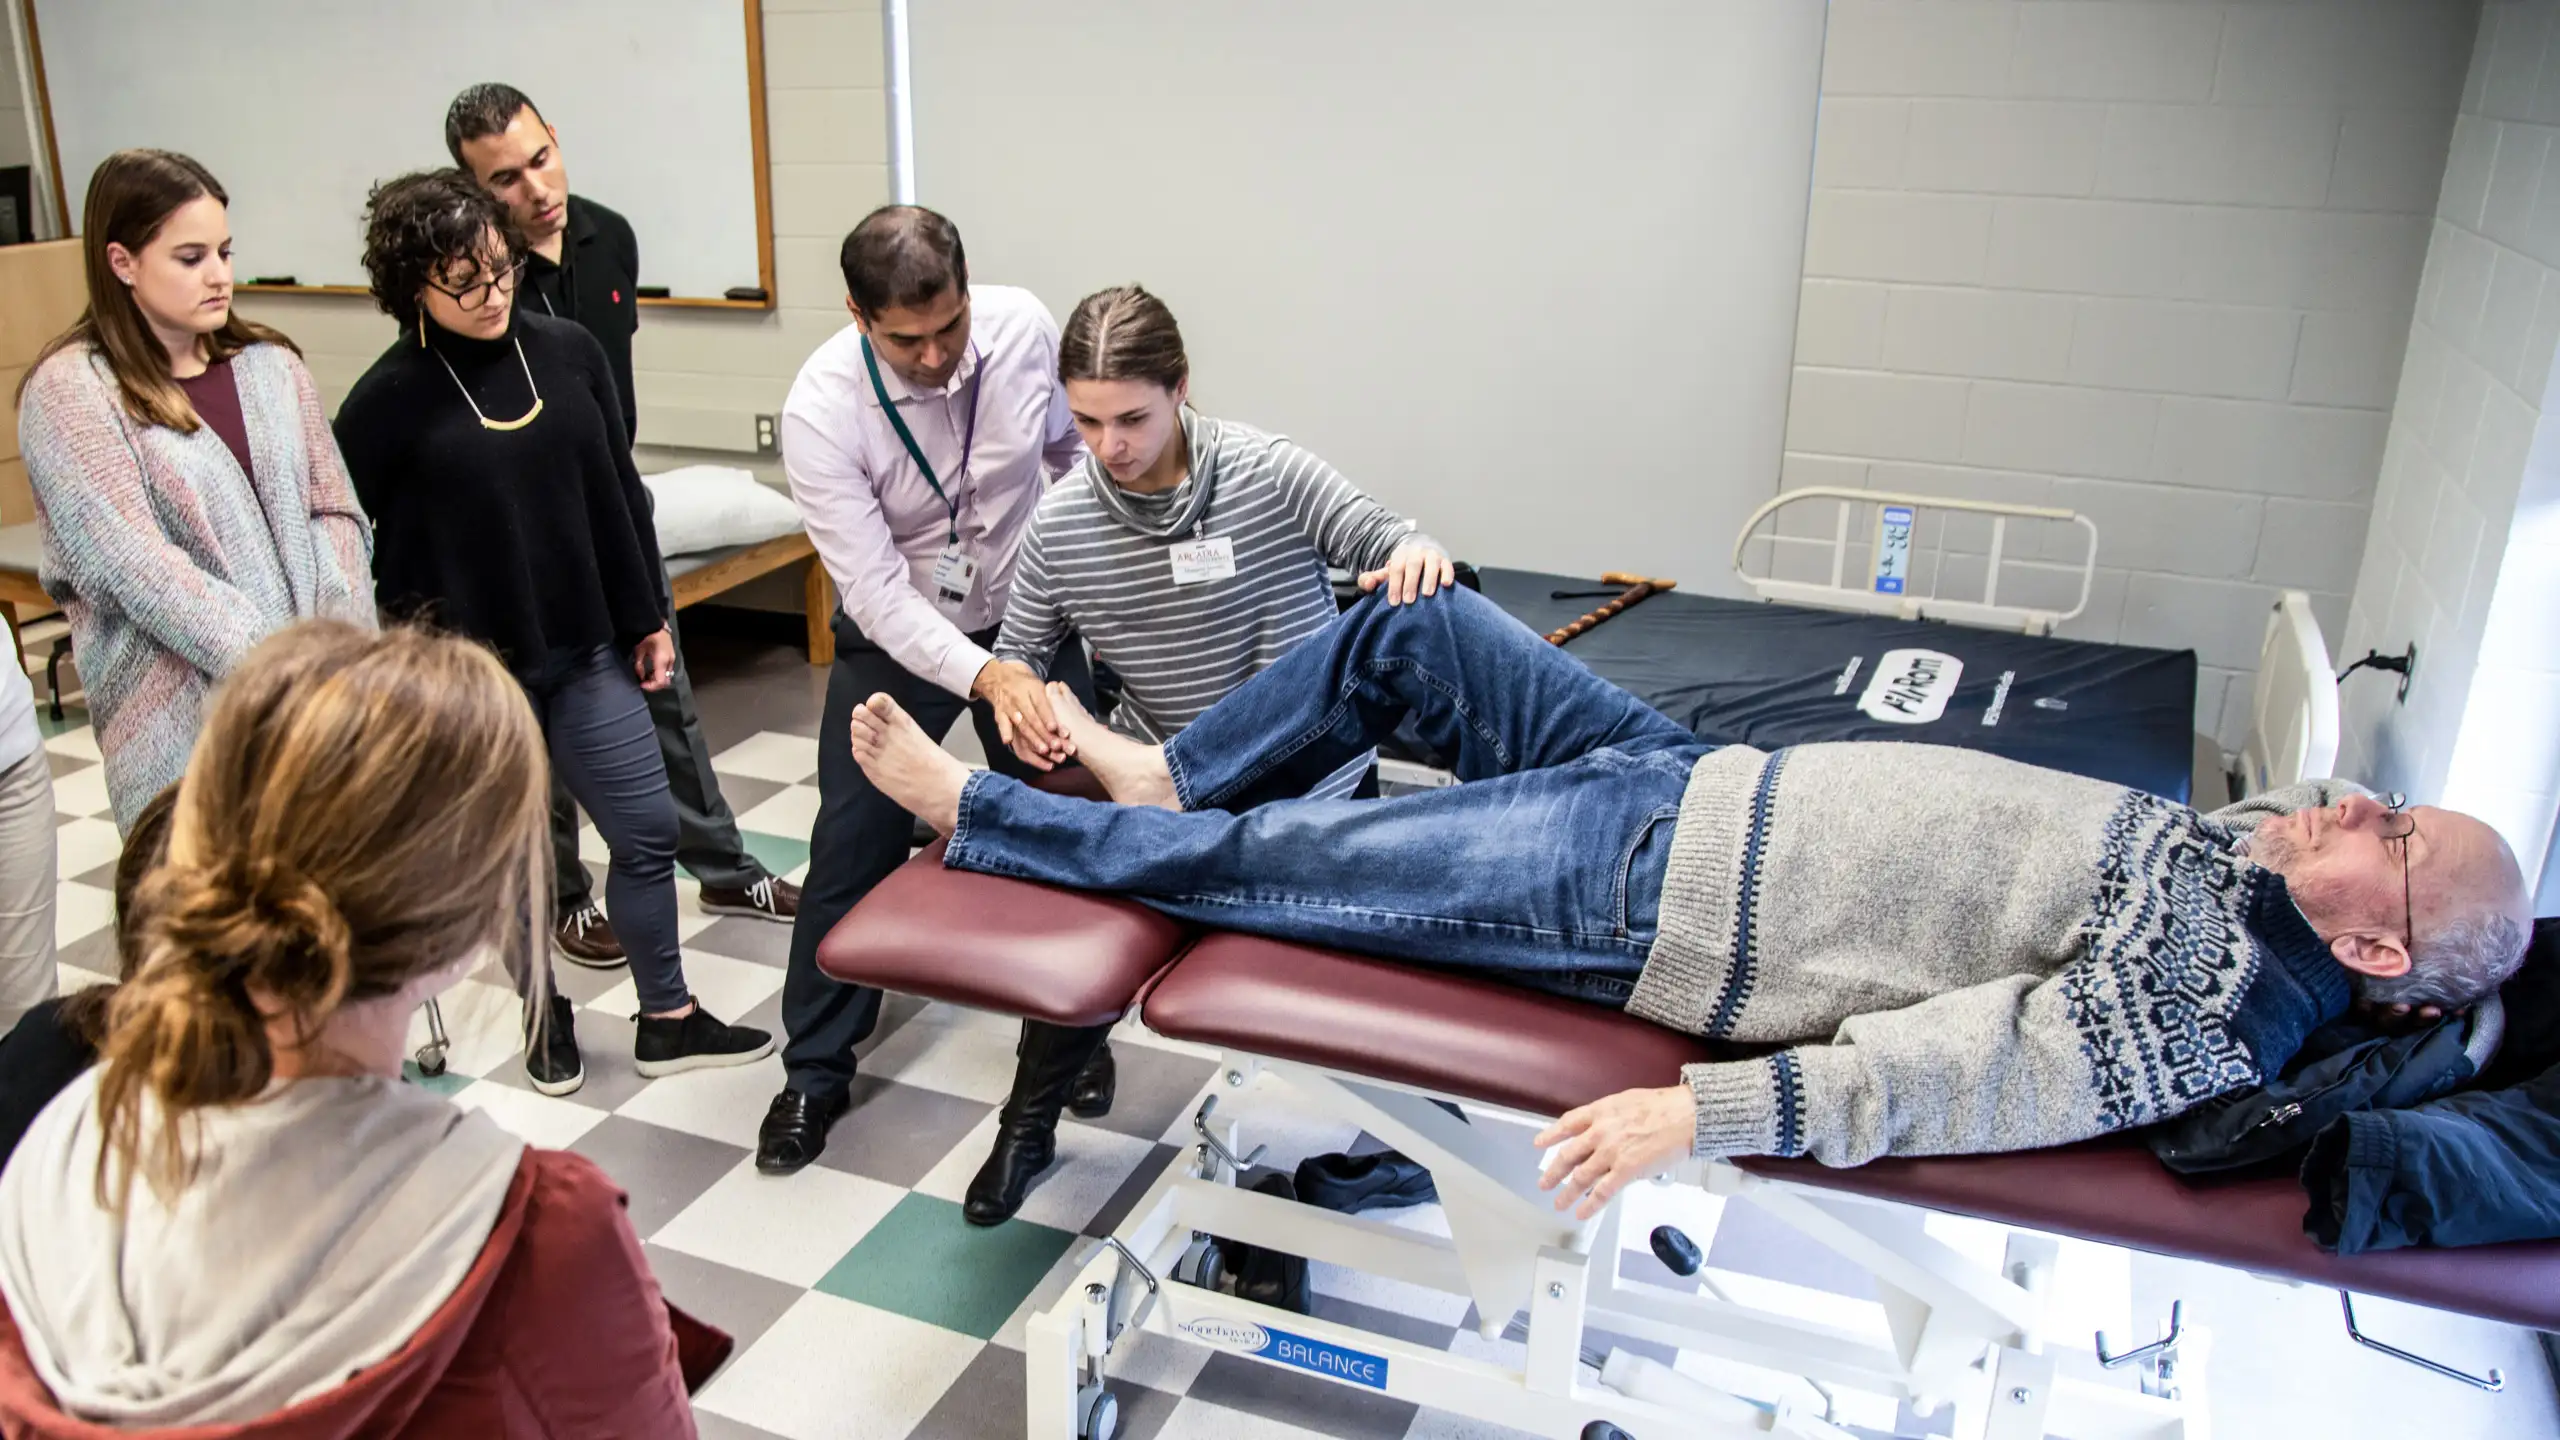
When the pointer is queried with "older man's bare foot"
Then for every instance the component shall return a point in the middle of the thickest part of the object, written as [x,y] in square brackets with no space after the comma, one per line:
[1132,771]
[904,763]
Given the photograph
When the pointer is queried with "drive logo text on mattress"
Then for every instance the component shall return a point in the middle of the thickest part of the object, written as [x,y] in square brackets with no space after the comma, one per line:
[1911,687]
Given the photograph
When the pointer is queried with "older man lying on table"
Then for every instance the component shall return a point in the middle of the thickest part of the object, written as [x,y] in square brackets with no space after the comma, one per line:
[1959,953]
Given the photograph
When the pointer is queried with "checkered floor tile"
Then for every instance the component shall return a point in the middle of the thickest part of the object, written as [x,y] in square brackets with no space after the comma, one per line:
[863,1307]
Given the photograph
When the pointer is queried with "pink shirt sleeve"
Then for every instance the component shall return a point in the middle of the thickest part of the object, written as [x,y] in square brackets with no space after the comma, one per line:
[833,488]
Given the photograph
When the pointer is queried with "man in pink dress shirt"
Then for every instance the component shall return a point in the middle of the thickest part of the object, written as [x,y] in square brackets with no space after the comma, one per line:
[918,441]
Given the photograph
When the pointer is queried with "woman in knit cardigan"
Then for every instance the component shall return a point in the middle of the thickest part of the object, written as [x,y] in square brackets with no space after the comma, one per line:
[187,487]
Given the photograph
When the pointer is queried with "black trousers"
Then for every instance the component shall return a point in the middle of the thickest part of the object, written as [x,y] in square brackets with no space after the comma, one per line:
[860,836]
[708,845]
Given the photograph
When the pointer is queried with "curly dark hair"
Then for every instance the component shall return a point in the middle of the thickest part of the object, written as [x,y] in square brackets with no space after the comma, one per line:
[422,222]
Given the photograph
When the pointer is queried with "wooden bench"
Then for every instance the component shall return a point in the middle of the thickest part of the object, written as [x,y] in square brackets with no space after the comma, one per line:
[695,578]
[700,576]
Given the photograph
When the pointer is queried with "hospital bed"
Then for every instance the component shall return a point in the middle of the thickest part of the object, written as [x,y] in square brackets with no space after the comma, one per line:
[1384,1047]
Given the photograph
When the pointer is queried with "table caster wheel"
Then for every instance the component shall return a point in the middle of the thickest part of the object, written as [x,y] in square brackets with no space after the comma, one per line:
[1097,1414]
[430,1060]
[1603,1430]
[1203,1265]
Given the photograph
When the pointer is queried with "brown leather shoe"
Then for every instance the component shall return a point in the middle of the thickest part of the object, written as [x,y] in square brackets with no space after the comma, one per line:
[585,937]
[771,898]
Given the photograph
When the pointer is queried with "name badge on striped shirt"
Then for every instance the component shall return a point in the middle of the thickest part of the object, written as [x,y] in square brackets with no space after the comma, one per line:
[1197,560]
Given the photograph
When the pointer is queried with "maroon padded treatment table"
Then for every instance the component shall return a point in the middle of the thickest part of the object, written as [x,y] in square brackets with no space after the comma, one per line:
[1362,1031]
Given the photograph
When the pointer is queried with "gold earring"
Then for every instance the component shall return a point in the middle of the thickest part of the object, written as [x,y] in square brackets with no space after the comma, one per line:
[422,327]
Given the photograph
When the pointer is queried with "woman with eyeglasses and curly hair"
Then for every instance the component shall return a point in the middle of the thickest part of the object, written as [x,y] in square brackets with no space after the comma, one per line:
[488,445]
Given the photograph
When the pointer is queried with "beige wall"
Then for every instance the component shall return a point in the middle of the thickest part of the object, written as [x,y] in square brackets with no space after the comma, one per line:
[41,294]
[2464,558]
[15,147]
[703,375]
[2151,262]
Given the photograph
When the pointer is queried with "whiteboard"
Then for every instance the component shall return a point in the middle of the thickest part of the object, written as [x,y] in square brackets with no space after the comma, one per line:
[1524,271]
[317,100]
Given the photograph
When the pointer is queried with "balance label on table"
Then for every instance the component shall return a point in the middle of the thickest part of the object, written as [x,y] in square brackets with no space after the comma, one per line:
[1893,549]
[1334,1361]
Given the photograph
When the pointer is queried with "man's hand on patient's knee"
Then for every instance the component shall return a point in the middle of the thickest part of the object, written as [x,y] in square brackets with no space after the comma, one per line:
[1610,1143]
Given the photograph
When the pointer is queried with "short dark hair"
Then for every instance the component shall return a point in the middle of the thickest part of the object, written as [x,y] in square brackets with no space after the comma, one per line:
[420,223]
[902,256]
[1122,333]
[483,110]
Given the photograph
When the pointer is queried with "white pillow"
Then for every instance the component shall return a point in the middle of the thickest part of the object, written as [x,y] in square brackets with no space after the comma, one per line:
[712,507]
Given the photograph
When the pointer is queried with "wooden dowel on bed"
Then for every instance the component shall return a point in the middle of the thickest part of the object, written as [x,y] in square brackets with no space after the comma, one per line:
[1639,587]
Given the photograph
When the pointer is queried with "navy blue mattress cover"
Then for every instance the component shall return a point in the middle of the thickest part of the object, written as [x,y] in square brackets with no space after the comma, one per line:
[1753,673]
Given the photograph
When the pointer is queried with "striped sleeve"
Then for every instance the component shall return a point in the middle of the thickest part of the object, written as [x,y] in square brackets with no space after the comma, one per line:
[1349,529]
[1034,626]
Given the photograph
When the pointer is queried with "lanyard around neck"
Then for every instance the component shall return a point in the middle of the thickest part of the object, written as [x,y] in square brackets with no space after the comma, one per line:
[915,452]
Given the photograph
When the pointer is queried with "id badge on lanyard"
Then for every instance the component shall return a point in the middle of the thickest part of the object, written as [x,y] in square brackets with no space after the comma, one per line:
[1197,562]
[955,578]
[955,570]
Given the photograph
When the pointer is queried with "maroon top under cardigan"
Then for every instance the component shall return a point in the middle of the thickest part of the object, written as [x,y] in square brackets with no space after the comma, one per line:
[216,396]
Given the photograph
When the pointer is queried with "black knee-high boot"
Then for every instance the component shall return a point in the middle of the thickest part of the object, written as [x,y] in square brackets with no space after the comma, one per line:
[1053,1058]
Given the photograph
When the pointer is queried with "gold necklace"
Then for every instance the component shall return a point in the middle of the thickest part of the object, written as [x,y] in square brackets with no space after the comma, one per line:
[485,422]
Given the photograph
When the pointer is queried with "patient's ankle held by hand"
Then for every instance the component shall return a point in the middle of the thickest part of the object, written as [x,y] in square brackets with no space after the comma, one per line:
[1133,773]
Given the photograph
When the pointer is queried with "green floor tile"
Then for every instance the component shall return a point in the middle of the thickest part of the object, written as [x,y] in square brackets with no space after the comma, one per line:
[75,716]
[777,853]
[924,1262]
[447,1083]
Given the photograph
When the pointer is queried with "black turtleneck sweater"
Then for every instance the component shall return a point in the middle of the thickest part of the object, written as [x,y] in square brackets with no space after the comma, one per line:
[536,540]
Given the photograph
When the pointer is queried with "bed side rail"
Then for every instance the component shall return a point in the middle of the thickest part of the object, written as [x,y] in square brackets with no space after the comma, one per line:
[2293,722]
[1920,557]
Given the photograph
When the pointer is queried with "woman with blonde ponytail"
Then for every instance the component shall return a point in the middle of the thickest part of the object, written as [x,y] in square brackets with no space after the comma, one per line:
[243,1216]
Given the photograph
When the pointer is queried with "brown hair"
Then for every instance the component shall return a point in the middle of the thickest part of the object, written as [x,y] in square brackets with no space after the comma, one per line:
[132,194]
[363,810]
[1122,333]
[84,1012]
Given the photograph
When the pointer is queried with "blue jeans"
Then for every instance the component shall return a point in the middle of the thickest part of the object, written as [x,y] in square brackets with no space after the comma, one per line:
[604,748]
[1546,862]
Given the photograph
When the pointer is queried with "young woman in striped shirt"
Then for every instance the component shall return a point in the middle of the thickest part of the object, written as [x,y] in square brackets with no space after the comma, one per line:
[1190,552]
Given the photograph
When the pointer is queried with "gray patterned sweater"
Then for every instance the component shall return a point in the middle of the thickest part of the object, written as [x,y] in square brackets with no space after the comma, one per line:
[1996,956]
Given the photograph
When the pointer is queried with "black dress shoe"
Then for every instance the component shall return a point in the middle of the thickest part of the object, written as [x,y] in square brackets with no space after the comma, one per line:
[1266,1276]
[1052,1057]
[1095,1086]
[1349,1184]
[795,1130]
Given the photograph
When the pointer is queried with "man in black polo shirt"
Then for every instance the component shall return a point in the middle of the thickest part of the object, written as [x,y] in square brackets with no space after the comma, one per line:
[585,266]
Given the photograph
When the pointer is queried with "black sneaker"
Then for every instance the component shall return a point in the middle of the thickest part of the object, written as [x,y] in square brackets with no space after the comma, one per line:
[695,1041]
[551,1058]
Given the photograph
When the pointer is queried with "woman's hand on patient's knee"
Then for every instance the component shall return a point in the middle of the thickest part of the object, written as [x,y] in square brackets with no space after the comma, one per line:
[1415,569]
[1603,1147]
[1023,718]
